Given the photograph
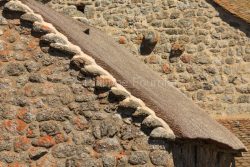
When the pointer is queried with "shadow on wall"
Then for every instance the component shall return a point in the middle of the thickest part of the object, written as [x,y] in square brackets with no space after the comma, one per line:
[200,155]
[231,19]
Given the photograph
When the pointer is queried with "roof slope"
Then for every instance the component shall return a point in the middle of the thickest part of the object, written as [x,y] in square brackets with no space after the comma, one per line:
[185,118]
[240,8]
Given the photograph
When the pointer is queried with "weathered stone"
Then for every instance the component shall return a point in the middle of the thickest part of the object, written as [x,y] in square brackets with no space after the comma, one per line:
[151,122]
[15,69]
[109,161]
[64,48]
[37,153]
[138,158]
[104,82]
[64,150]
[175,15]
[244,99]
[31,17]
[161,132]
[132,102]
[176,50]
[42,28]
[89,11]
[44,141]
[36,78]
[3,21]
[129,132]
[159,157]
[5,143]
[16,6]
[149,41]
[53,38]
[32,66]
[49,128]
[107,144]
[83,138]
[109,127]
[80,60]
[44,116]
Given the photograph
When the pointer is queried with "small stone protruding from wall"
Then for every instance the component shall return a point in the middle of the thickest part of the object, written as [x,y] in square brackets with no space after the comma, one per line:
[176,51]
[149,42]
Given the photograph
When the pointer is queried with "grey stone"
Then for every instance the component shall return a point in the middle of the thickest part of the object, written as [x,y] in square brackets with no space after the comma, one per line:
[108,161]
[16,7]
[32,66]
[64,150]
[185,23]
[128,132]
[5,142]
[36,78]
[84,138]
[49,128]
[163,133]
[37,153]
[53,38]
[55,78]
[159,158]
[207,86]
[44,115]
[243,99]
[138,158]
[64,48]
[151,122]
[243,89]
[107,144]
[62,114]
[89,162]
[89,12]
[15,69]
[246,58]
[122,162]
[3,21]
[11,39]
[30,17]
[108,127]
[175,15]
[19,47]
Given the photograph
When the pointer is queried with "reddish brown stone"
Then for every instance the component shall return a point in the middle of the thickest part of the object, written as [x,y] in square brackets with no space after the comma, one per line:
[122,40]
[186,58]
[60,138]
[166,68]
[80,123]
[21,144]
[104,82]
[44,141]
[15,126]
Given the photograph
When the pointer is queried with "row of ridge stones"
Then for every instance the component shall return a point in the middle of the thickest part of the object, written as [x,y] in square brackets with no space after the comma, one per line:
[88,65]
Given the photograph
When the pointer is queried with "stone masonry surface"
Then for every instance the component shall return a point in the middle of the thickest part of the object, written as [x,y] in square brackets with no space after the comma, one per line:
[58,108]
[187,41]
[52,114]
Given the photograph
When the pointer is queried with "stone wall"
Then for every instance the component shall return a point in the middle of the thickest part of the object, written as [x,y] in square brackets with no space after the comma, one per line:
[194,44]
[53,114]
[241,128]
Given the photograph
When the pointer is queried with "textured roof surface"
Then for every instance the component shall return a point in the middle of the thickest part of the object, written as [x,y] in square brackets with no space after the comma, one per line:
[183,116]
[240,8]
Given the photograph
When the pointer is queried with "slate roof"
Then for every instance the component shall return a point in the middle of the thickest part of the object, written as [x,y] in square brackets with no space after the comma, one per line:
[239,8]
